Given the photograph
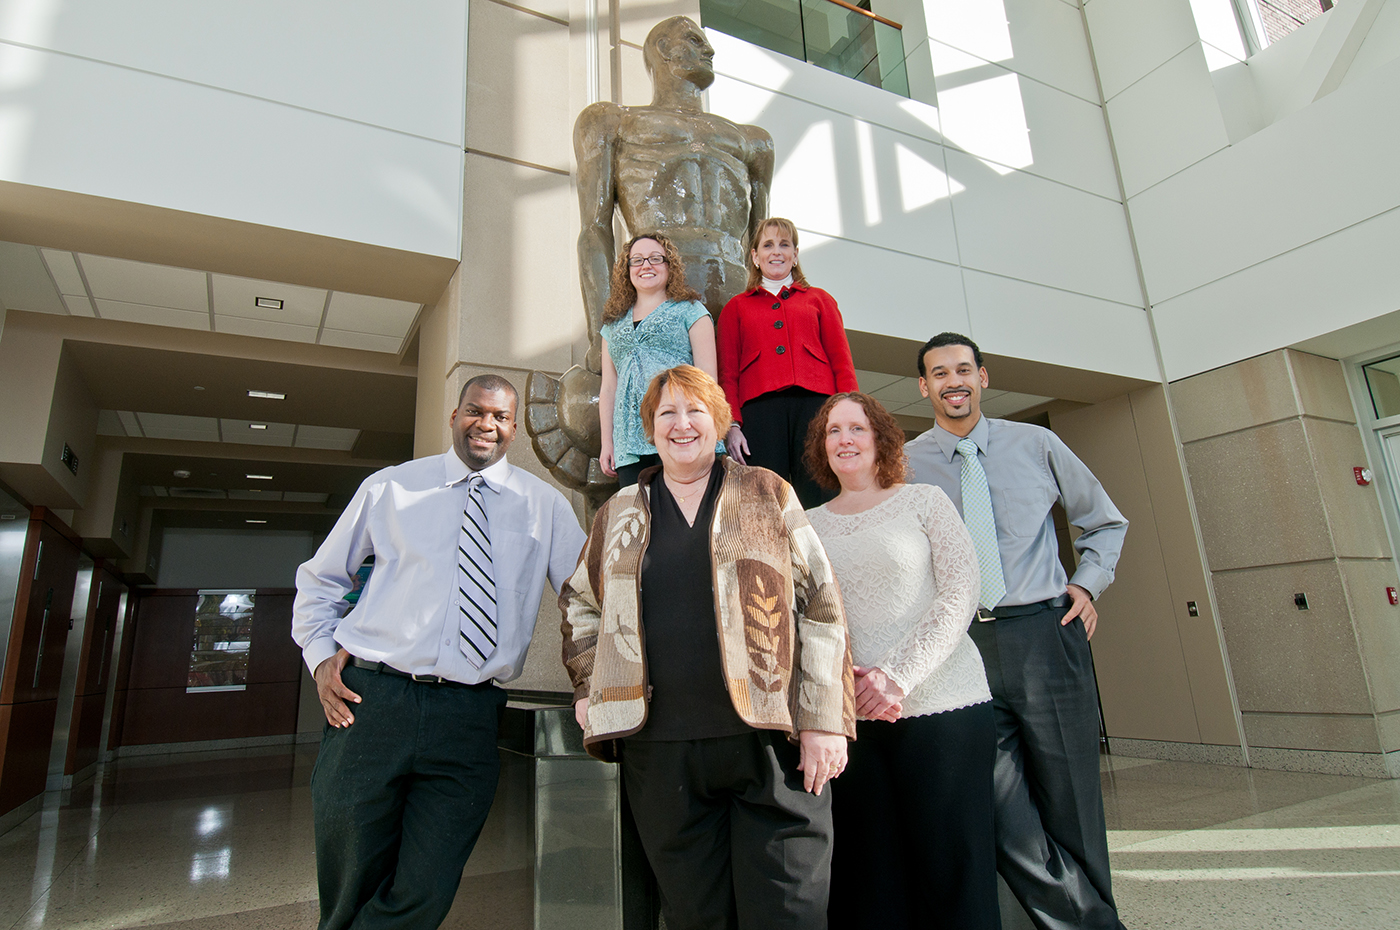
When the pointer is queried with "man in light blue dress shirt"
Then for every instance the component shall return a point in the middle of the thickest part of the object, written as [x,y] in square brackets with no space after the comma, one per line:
[408,762]
[1052,846]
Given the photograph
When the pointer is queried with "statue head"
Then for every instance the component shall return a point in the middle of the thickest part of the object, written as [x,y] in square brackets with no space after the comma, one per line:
[677,47]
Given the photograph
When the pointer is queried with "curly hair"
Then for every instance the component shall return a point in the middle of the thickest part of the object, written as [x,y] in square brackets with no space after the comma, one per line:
[694,383]
[891,464]
[621,292]
[786,228]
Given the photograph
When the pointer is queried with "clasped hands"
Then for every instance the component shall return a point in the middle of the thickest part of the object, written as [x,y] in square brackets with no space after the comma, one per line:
[877,696]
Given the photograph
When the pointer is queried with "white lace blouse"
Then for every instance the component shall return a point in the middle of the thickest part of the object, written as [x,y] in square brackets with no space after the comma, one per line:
[909,581]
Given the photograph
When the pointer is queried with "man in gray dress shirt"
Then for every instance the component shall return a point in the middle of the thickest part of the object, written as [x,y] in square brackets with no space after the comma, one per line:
[1052,846]
[462,544]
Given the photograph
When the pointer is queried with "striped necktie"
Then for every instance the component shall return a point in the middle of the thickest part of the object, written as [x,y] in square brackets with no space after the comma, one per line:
[476,589]
[981,524]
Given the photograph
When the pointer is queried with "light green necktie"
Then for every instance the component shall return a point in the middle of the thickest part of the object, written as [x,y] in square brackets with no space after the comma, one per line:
[981,524]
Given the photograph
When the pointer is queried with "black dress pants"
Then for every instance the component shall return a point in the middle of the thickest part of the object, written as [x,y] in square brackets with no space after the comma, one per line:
[399,798]
[914,844]
[775,427]
[1052,845]
[734,840]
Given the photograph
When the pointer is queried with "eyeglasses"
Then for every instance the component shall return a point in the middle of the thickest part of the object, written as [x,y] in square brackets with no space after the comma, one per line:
[656,258]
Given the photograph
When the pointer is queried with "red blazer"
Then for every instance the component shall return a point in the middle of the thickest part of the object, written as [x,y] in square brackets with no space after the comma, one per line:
[768,342]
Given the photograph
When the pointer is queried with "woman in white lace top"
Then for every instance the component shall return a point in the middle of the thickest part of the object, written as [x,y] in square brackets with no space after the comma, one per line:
[913,811]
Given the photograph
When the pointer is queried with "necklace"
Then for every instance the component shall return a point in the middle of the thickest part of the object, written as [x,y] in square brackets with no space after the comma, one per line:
[670,482]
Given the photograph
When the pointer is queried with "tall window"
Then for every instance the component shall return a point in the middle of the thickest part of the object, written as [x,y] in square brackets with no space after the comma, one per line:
[833,34]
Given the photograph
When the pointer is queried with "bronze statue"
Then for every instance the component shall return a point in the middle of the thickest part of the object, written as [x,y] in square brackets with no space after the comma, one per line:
[670,167]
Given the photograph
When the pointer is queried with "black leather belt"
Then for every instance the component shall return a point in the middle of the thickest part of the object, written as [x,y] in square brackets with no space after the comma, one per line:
[1021,610]
[423,679]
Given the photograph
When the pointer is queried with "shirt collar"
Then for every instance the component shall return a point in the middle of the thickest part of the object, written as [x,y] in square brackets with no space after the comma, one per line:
[794,286]
[493,476]
[948,442]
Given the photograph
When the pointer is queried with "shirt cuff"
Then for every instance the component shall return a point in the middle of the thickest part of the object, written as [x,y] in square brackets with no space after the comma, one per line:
[1092,579]
[318,651]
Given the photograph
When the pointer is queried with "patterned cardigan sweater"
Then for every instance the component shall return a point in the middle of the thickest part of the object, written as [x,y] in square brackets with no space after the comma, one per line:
[778,614]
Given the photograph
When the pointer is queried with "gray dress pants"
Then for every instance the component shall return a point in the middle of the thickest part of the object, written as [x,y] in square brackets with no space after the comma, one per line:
[1052,845]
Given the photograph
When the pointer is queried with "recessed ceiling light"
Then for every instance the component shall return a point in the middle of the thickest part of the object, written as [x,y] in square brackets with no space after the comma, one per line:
[182,473]
[267,303]
[199,387]
[259,477]
[257,426]
[254,521]
[267,395]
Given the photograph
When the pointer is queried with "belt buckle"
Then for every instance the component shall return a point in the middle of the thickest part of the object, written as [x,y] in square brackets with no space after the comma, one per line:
[428,679]
[983,615]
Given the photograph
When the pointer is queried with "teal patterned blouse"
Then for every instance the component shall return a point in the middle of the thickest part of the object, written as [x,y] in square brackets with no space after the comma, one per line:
[660,341]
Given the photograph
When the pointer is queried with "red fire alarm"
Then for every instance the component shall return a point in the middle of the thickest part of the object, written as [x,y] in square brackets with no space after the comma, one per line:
[1394,596]
[1363,475]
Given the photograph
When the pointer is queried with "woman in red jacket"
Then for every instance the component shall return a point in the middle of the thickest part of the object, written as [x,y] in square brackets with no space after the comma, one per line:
[782,352]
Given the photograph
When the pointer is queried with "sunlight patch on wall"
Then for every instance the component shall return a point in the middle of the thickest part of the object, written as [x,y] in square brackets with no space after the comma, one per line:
[869,182]
[921,182]
[806,187]
[987,118]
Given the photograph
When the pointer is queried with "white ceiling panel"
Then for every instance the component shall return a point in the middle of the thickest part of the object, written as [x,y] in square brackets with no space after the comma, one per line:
[171,426]
[25,282]
[276,434]
[237,297]
[264,329]
[254,495]
[365,341]
[1010,402]
[902,391]
[153,316]
[109,424]
[326,437]
[356,313]
[64,269]
[129,422]
[78,305]
[872,381]
[143,283]
[304,497]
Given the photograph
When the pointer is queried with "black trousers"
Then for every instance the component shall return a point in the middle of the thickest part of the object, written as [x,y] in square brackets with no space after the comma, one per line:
[734,840]
[399,798]
[1052,845]
[913,815]
[775,426]
[627,474]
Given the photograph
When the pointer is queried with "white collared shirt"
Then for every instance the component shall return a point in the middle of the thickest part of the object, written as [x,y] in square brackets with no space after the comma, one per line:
[408,517]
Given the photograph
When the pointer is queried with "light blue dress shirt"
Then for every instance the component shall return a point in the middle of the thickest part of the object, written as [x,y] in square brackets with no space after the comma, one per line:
[1029,468]
[408,517]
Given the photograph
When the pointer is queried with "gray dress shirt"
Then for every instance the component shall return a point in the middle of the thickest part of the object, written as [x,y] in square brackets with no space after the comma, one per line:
[409,517]
[1028,468]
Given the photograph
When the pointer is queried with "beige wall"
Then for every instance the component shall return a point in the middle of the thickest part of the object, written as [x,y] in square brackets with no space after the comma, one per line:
[1162,673]
[1270,443]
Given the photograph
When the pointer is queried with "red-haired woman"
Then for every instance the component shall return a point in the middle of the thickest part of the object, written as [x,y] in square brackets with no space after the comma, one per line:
[913,813]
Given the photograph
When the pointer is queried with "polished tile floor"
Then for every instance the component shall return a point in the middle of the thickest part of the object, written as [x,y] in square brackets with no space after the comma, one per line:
[211,841]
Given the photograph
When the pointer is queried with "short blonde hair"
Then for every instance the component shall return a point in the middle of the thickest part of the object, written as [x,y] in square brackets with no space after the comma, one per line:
[695,384]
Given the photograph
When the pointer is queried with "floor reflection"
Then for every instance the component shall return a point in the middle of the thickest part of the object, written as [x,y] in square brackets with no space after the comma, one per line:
[209,841]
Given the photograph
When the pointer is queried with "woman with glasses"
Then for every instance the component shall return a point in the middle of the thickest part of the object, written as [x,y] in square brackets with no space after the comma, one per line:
[782,353]
[652,321]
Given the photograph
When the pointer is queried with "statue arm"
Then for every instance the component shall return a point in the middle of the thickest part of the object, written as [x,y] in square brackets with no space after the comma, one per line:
[595,140]
[760,164]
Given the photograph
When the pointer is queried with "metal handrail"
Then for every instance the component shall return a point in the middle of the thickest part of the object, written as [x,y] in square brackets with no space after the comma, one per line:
[875,16]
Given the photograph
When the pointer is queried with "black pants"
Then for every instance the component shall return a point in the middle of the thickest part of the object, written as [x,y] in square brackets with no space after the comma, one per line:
[913,816]
[1052,845]
[627,474]
[775,426]
[399,798]
[734,840]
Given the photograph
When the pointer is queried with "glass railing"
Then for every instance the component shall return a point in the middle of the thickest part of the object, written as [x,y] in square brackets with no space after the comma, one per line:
[831,34]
